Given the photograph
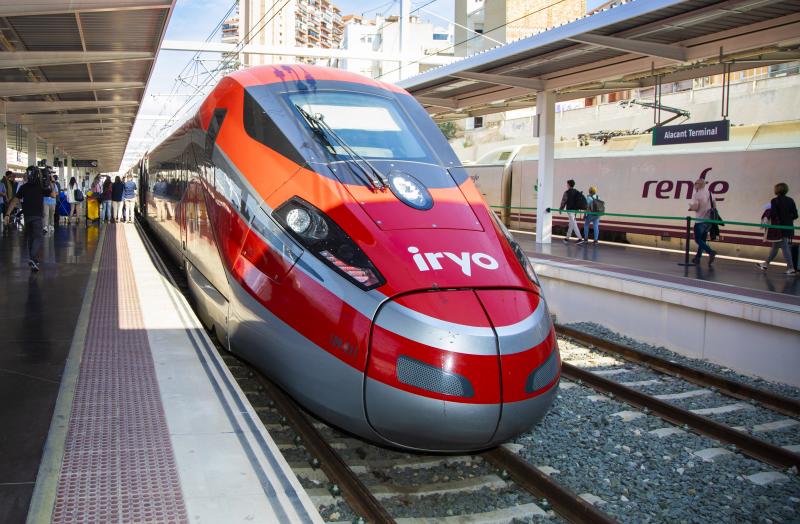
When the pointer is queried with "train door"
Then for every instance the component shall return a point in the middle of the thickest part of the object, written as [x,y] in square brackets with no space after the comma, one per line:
[143,187]
[184,203]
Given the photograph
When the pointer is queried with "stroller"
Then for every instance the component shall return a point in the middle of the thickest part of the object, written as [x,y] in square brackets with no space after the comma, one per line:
[16,219]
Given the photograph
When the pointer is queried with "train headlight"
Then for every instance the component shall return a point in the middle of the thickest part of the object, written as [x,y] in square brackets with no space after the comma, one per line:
[298,220]
[328,242]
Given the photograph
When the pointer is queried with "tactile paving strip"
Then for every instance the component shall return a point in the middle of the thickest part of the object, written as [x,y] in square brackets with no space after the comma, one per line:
[118,462]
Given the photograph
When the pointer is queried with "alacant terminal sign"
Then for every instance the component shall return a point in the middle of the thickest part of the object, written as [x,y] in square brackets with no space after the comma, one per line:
[83,163]
[718,131]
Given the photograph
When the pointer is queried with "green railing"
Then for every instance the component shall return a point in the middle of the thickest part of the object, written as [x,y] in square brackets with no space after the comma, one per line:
[686,219]
[653,217]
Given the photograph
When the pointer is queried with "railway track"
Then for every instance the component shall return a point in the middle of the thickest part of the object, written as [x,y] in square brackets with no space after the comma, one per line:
[364,475]
[695,419]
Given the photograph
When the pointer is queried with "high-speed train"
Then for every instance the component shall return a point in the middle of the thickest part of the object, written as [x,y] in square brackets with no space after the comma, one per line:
[634,177]
[331,237]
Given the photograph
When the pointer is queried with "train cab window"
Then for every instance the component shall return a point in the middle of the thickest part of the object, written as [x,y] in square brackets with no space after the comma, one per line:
[372,126]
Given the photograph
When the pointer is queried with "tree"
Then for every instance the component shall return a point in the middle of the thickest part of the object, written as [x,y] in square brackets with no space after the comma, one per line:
[448,129]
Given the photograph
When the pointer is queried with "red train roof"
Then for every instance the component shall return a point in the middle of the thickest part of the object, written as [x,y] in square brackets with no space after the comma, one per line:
[271,74]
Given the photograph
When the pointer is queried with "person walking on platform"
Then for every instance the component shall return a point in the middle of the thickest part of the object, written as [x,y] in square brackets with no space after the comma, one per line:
[8,183]
[782,212]
[117,190]
[569,201]
[106,194]
[701,205]
[129,196]
[75,197]
[595,205]
[32,196]
[50,192]
[4,198]
[97,186]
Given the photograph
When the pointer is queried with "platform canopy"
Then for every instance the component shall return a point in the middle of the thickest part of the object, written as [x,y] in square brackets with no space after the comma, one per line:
[74,72]
[620,48]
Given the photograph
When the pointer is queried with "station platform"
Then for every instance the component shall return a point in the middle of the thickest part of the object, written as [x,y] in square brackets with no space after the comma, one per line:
[731,314]
[145,422]
[725,275]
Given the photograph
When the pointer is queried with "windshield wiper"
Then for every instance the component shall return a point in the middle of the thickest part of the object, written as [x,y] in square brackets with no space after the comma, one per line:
[374,178]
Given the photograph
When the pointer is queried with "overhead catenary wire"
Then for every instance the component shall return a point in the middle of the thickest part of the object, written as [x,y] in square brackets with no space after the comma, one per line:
[438,51]
[181,79]
[212,75]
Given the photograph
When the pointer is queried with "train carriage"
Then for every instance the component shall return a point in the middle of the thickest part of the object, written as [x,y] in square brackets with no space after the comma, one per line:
[331,237]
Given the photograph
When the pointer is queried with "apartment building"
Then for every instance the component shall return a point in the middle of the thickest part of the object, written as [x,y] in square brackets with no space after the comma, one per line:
[502,21]
[298,23]
[382,35]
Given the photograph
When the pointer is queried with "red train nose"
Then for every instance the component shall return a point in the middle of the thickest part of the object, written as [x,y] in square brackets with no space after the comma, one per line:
[433,375]
[471,367]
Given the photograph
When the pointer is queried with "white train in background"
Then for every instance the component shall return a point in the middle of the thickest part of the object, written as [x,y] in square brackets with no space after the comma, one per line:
[634,177]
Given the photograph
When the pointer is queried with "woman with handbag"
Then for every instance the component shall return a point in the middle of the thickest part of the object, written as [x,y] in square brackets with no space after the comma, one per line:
[782,212]
[75,198]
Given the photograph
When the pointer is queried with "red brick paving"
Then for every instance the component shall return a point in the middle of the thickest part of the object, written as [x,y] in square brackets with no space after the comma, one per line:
[118,462]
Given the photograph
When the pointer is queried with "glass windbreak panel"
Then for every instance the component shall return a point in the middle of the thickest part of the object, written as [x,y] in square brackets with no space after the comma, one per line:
[372,126]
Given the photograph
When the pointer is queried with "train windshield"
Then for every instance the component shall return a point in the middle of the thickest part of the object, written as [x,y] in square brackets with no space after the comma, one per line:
[371,126]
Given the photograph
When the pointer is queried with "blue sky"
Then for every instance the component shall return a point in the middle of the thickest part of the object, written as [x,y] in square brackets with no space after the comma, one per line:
[195,19]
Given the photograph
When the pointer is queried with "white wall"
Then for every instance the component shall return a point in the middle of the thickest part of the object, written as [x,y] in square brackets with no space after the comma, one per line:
[758,102]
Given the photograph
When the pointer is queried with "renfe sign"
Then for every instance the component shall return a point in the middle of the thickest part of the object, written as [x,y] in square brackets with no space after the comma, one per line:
[718,131]
[84,163]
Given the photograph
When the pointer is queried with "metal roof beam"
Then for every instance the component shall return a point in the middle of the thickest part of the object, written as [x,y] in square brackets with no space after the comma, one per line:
[89,126]
[639,47]
[34,119]
[740,40]
[21,59]
[534,84]
[54,88]
[42,107]
[50,7]
[85,136]
[447,103]
[76,148]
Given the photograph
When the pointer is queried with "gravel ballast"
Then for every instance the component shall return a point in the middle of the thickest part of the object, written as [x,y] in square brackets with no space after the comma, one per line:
[703,365]
[643,478]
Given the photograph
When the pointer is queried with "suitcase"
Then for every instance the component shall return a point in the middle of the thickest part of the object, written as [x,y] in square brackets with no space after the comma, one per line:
[92,209]
[795,249]
[64,207]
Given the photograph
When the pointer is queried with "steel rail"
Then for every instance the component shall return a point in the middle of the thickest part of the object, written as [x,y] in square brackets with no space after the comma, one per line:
[564,501]
[785,405]
[357,495]
[754,447]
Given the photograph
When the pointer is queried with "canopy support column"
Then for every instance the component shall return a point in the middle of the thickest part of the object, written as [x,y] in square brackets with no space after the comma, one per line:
[3,145]
[545,115]
[405,37]
[32,145]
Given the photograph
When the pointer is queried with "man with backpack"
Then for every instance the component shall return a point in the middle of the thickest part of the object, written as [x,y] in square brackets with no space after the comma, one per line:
[702,204]
[573,200]
[50,190]
[595,206]
[32,195]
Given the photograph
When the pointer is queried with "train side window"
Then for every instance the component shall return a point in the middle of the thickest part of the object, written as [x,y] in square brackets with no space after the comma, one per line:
[213,129]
